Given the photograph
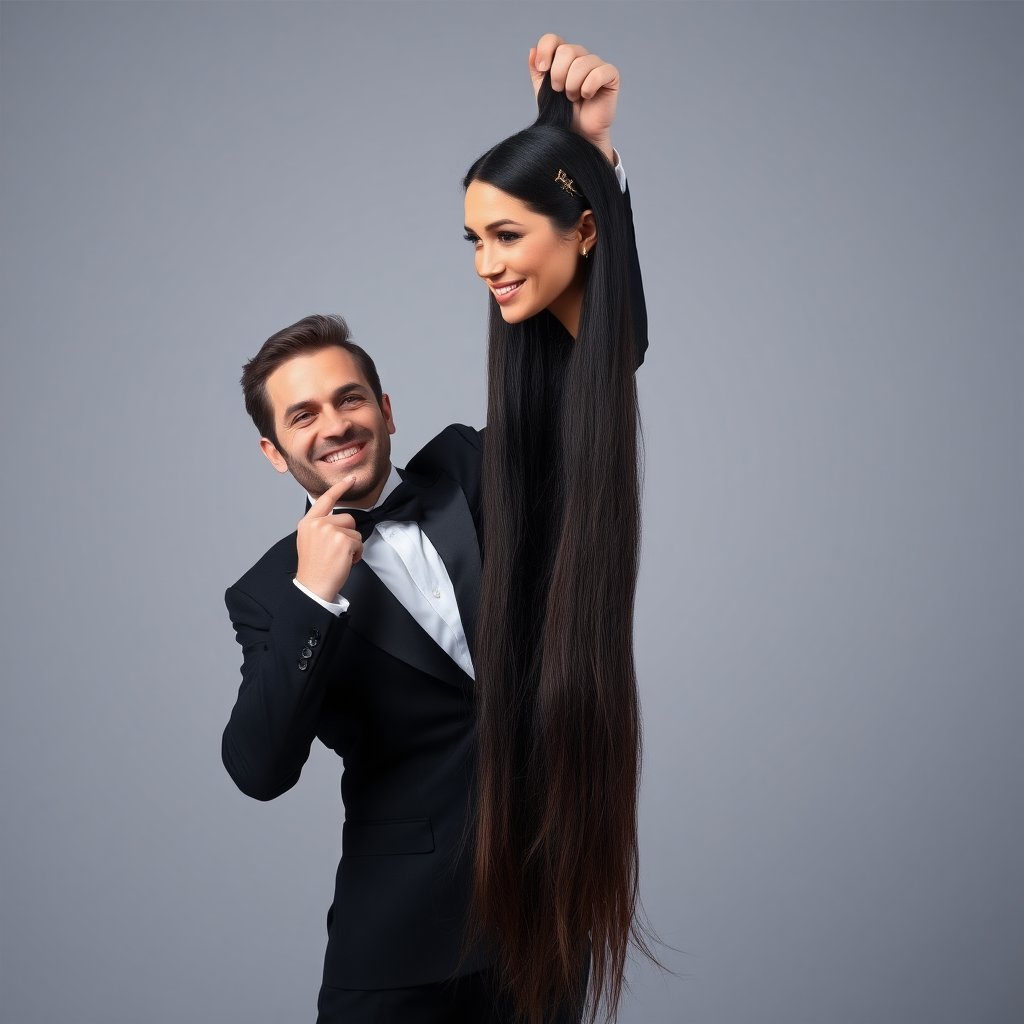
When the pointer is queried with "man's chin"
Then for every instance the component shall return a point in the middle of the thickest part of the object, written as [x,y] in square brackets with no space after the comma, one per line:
[363,488]
[357,492]
[312,482]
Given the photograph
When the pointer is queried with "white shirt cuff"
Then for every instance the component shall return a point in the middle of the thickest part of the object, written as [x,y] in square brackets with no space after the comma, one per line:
[620,171]
[336,607]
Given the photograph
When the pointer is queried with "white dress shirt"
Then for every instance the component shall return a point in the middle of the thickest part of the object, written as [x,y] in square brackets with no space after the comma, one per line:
[409,566]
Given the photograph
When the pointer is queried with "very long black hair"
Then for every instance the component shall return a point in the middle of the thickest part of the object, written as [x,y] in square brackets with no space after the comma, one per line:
[558,715]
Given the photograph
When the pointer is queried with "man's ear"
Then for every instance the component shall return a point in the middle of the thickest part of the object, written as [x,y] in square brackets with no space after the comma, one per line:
[385,408]
[270,450]
[586,230]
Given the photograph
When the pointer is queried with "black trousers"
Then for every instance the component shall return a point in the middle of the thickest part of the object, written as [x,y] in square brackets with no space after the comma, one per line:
[471,999]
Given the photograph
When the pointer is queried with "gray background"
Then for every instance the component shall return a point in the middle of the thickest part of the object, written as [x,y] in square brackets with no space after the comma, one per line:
[830,639]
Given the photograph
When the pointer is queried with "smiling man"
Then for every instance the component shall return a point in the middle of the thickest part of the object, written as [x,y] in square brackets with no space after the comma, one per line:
[327,435]
[358,630]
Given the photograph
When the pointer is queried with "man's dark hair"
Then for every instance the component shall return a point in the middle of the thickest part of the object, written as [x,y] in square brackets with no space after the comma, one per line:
[310,334]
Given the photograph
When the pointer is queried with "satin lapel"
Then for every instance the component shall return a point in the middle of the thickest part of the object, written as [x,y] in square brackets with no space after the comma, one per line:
[448,522]
[379,617]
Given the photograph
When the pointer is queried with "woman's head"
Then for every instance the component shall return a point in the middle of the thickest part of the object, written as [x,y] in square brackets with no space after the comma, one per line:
[529,261]
[538,206]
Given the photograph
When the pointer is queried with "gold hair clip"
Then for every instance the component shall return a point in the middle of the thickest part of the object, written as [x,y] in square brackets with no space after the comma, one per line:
[566,183]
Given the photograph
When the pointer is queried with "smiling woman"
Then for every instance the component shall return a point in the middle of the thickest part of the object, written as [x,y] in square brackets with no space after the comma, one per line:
[555,884]
[528,263]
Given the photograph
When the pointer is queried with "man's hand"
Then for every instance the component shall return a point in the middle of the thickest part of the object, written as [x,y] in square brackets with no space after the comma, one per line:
[590,83]
[328,545]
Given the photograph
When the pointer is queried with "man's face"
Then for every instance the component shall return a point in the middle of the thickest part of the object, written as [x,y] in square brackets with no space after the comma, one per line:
[329,426]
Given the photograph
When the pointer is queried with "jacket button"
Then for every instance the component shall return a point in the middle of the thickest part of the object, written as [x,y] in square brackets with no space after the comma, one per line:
[311,641]
[306,653]
[315,634]
[302,664]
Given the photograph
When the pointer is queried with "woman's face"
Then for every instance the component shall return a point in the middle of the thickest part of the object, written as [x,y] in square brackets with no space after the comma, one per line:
[527,263]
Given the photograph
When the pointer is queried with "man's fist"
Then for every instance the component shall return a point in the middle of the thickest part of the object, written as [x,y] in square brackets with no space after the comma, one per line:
[591,84]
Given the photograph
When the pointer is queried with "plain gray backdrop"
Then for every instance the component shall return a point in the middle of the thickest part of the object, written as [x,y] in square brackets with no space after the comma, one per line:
[828,201]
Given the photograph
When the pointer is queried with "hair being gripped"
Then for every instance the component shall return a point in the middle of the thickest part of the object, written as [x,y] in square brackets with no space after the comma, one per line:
[557,708]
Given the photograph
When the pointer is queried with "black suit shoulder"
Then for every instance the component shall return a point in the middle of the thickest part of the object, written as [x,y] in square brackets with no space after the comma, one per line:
[456,446]
[457,452]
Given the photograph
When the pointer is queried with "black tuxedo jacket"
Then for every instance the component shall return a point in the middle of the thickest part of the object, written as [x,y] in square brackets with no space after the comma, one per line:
[372,685]
[376,688]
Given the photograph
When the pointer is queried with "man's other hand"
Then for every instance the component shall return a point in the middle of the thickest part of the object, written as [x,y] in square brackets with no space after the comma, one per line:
[589,82]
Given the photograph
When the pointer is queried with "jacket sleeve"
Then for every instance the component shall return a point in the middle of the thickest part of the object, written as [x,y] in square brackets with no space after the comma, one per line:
[285,672]
[637,302]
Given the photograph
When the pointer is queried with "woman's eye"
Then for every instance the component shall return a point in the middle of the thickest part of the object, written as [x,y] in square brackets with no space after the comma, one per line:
[471,238]
[507,236]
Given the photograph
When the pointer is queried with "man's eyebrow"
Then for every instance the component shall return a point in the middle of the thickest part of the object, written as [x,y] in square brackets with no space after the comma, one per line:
[496,224]
[339,393]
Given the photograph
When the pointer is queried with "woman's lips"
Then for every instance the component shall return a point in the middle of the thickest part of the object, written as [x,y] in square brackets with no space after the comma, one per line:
[507,290]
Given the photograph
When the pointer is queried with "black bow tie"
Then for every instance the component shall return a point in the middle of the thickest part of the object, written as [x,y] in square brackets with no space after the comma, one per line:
[401,504]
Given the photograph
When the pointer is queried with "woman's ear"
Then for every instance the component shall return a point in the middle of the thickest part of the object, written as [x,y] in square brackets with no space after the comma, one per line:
[586,232]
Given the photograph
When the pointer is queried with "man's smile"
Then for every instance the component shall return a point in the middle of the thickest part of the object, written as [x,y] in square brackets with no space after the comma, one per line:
[341,454]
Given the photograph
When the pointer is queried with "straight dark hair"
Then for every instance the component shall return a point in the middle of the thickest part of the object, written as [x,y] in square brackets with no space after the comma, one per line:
[558,720]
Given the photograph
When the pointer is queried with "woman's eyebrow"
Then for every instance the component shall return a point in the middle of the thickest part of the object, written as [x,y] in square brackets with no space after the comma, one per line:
[495,225]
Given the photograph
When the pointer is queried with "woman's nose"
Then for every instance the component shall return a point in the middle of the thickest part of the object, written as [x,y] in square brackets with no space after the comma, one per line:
[488,262]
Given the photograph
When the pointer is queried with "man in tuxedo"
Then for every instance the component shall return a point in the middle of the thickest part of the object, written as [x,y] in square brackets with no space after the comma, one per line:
[365,643]
[358,629]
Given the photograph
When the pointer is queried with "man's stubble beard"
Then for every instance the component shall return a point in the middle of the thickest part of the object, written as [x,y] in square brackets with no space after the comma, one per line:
[310,480]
